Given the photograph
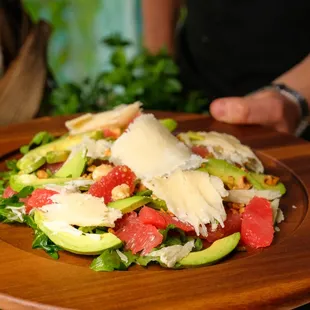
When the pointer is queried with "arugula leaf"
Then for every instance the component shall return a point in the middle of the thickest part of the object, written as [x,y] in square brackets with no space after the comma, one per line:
[8,216]
[12,170]
[41,138]
[130,257]
[2,186]
[41,240]
[109,260]
[177,233]
[145,260]
[198,245]
[25,192]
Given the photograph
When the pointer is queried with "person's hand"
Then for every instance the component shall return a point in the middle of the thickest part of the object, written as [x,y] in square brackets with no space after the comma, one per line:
[266,107]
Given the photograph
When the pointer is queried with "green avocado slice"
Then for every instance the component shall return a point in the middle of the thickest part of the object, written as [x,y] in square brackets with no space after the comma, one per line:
[74,166]
[19,181]
[53,157]
[232,175]
[86,244]
[129,204]
[260,178]
[228,173]
[218,250]
[26,163]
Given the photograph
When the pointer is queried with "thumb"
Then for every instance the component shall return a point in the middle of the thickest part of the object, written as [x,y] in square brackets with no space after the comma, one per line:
[242,110]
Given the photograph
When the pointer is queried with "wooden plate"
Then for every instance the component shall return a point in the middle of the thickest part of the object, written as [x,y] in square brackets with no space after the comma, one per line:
[273,277]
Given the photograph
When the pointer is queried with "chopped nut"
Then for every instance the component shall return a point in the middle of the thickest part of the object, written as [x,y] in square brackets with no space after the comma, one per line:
[91,168]
[41,174]
[107,153]
[243,183]
[235,205]
[271,180]
[141,187]
[101,171]
[120,192]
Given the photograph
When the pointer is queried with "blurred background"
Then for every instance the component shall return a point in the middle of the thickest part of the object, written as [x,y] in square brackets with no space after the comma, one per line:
[79,56]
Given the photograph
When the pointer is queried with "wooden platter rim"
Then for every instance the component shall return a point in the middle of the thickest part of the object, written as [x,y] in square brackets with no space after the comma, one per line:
[303,284]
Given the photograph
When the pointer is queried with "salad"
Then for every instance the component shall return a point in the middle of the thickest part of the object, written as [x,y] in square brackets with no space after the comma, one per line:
[121,187]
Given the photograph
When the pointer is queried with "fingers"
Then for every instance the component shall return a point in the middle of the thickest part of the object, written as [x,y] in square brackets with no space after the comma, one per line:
[247,110]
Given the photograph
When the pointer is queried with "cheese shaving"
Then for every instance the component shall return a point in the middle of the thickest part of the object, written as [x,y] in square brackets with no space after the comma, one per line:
[80,209]
[171,254]
[192,198]
[150,150]
[116,118]
[227,147]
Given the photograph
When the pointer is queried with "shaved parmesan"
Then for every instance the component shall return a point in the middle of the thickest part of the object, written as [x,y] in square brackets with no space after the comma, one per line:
[95,148]
[150,150]
[80,209]
[69,187]
[171,254]
[275,207]
[280,216]
[245,195]
[116,118]
[191,197]
[227,147]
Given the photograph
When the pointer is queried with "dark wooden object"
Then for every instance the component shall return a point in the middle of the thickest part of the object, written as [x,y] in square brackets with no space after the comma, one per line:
[24,45]
[274,278]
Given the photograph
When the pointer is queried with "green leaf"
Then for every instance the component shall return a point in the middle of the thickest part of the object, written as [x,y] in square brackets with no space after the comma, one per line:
[172,86]
[118,58]
[26,191]
[12,164]
[41,241]
[198,244]
[145,260]
[115,40]
[41,138]
[109,260]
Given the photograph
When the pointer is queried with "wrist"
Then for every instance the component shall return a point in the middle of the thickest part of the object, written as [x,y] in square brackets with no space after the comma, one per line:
[290,95]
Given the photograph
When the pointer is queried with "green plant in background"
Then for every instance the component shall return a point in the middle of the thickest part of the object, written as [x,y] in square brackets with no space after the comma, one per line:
[94,76]
[152,79]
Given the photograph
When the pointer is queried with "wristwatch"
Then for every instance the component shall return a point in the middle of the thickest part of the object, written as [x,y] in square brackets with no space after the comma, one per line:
[299,100]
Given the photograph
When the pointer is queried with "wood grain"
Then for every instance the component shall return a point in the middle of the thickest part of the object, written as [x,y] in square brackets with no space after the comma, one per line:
[277,277]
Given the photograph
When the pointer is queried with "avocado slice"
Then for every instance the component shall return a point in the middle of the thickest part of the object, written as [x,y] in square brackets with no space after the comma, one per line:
[19,181]
[129,204]
[87,244]
[35,164]
[53,157]
[232,175]
[169,123]
[260,178]
[218,250]
[228,173]
[74,166]
[26,163]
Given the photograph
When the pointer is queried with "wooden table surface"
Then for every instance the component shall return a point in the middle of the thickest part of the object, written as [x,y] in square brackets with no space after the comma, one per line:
[276,278]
